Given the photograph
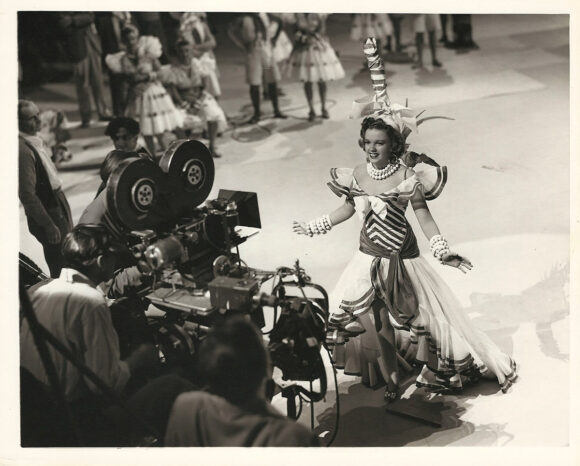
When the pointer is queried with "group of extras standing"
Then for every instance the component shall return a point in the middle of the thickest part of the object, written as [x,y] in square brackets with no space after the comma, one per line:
[182,97]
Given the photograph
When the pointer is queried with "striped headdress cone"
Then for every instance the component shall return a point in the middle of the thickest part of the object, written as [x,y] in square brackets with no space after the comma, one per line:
[378,105]
[377,69]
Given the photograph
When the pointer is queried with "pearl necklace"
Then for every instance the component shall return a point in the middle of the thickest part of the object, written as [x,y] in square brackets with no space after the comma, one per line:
[383,173]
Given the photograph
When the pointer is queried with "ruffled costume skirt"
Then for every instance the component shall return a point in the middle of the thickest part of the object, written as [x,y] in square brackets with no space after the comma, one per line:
[155,111]
[317,61]
[209,111]
[442,337]
[377,25]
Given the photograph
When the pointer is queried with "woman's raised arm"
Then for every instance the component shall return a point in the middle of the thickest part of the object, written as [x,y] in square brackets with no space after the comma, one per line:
[323,224]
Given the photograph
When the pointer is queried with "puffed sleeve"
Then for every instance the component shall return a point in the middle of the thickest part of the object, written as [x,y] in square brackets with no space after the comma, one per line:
[430,180]
[342,182]
[114,62]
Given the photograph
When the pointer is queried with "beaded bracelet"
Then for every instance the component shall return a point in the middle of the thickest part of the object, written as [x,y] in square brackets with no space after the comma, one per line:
[319,226]
[439,246]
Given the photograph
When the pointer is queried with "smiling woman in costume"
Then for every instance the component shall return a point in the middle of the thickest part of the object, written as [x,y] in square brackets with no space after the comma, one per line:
[387,287]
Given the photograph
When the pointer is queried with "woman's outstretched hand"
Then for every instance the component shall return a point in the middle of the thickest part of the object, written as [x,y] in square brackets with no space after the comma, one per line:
[455,260]
[299,228]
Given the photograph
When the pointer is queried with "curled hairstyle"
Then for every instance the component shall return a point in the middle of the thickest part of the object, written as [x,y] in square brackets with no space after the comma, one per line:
[84,244]
[128,29]
[131,125]
[397,141]
[233,361]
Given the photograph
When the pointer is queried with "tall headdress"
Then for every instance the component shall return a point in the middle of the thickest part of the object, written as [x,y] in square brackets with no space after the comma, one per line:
[378,105]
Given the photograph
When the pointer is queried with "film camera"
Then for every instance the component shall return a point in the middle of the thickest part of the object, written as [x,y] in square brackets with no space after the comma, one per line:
[191,247]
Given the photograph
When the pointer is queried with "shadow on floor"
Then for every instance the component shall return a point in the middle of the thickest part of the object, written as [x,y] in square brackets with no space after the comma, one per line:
[436,77]
[365,422]
[544,303]
[253,132]
[371,425]
[362,79]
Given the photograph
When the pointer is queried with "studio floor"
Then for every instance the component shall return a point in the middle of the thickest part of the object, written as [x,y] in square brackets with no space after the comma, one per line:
[506,207]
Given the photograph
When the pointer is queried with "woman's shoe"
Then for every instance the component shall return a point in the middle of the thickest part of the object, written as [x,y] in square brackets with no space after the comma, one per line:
[311,115]
[325,114]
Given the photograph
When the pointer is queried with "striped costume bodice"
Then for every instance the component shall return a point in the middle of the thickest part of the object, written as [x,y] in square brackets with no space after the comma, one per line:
[384,214]
[390,232]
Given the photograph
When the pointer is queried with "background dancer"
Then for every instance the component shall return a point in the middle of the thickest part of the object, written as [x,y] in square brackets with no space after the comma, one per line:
[147,100]
[314,59]
[250,32]
[184,81]
[195,30]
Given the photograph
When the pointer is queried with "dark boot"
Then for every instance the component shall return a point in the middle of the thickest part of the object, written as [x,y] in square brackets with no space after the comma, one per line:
[255,96]
[309,98]
[273,91]
[322,93]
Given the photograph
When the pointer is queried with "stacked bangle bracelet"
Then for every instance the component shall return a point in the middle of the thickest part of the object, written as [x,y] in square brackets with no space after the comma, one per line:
[319,226]
[439,246]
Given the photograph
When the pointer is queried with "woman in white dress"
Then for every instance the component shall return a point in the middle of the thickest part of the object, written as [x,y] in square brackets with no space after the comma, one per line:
[377,25]
[147,101]
[388,287]
[314,59]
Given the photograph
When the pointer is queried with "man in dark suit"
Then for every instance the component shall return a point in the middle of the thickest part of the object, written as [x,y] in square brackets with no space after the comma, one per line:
[83,48]
[47,210]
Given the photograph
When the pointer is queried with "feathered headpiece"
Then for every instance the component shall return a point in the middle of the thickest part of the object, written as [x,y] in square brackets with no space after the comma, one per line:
[378,105]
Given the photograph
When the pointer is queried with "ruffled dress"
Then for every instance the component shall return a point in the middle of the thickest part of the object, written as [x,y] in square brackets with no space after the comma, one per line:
[148,101]
[422,308]
[187,80]
[377,25]
[314,59]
